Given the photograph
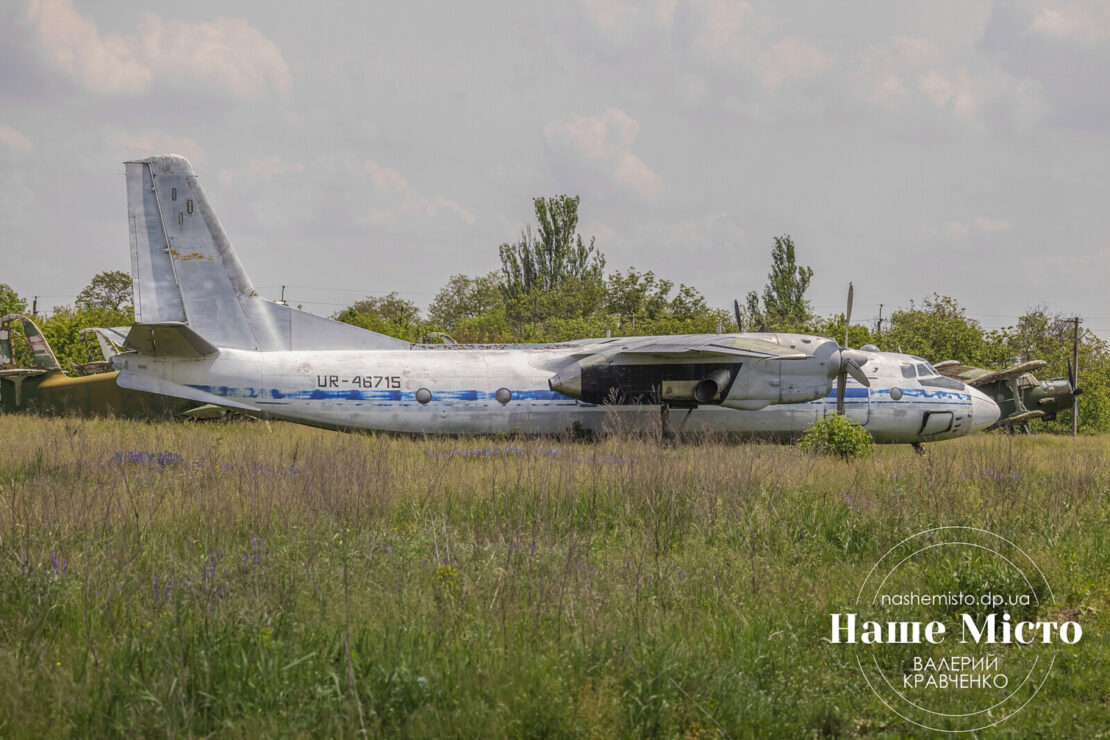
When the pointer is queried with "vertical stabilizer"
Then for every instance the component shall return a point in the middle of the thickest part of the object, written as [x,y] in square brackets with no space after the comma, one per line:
[185,270]
[42,356]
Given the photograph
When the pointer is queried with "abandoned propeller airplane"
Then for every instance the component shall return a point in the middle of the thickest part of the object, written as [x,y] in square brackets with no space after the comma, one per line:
[45,388]
[1020,396]
[204,334]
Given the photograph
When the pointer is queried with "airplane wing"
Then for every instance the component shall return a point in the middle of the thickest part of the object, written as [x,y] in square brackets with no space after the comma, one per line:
[708,344]
[977,377]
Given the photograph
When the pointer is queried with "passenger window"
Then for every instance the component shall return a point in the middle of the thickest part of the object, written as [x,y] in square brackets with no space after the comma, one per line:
[907,371]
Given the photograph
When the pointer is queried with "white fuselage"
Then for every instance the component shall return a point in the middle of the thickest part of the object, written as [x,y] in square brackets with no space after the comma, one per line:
[384,389]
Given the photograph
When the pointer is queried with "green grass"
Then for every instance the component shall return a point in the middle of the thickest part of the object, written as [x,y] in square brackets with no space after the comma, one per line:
[280,580]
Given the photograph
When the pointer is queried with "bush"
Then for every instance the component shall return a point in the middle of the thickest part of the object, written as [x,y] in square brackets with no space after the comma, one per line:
[837,435]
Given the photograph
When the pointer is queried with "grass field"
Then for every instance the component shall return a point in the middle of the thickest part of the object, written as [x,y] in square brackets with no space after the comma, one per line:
[274,580]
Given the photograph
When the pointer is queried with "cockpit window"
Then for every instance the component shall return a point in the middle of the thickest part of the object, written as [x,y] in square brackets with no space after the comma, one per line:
[922,371]
[907,371]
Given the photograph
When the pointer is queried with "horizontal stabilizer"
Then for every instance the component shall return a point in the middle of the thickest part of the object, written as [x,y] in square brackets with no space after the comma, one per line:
[110,340]
[22,372]
[170,339]
[150,384]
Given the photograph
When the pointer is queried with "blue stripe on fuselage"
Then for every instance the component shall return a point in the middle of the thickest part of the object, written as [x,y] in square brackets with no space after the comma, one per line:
[354,394]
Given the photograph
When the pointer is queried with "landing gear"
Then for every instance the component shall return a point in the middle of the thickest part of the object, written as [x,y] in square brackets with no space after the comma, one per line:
[670,436]
[918,448]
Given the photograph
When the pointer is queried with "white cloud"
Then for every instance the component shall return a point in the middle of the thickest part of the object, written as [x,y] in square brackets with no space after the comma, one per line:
[603,145]
[955,92]
[882,69]
[988,224]
[395,198]
[106,66]
[13,139]
[791,59]
[260,169]
[225,54]
[722,23]
[620,19]
[1085,22]
[916,51]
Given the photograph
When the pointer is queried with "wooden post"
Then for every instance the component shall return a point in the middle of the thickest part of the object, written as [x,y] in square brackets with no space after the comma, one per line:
[1075,375]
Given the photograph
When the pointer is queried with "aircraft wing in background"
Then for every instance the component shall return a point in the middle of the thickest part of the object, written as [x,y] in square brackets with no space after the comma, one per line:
[978,377]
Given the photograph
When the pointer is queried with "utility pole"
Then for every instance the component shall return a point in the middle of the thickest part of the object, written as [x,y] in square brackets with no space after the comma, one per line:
[879,327]
[1075,376]
[35,307]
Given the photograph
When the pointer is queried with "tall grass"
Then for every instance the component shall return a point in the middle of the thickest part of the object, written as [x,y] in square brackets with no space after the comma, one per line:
[235,579]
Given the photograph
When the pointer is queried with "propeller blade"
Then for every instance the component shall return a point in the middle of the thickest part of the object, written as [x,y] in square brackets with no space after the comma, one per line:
[841,381]
[1072,380]
[857,372]
[736,310]
[848,314]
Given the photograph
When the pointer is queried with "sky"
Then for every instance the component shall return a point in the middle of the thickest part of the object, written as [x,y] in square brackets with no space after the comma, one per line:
[354,148]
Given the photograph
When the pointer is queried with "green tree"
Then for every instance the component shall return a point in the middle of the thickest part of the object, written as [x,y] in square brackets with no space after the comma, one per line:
[62,331]
[784,306]
[555,255]
[108,290]
[10,301]
[464,299]
[939,329]
[551,273]
[491,327]
[641,303]
[833,327]
[389,314]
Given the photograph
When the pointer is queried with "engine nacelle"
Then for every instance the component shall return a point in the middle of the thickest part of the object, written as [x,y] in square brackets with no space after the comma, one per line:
[625,383]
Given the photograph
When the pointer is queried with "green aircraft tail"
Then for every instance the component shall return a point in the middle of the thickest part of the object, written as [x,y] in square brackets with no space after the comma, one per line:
[43,356]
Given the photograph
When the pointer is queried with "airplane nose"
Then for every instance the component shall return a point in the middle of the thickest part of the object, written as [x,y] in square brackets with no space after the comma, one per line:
[984,411]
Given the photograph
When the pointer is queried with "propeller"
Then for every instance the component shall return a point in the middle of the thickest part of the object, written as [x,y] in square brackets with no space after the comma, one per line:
[1073,380]
[851,361]
[736,311]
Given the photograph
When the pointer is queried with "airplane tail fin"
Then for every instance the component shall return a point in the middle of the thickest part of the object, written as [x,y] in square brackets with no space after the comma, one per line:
[185,271]
[42,356]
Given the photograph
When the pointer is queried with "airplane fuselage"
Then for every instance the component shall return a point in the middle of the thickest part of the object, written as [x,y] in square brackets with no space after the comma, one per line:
[478,390]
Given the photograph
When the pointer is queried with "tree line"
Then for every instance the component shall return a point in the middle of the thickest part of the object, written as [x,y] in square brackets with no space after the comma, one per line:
[553,286]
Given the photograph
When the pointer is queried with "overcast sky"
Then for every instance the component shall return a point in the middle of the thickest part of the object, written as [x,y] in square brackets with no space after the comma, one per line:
[357,148]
